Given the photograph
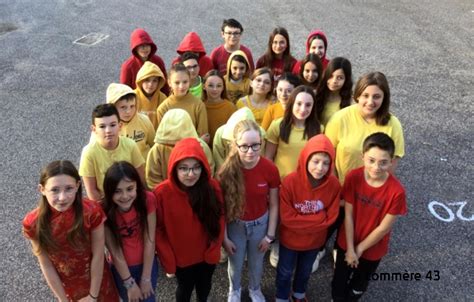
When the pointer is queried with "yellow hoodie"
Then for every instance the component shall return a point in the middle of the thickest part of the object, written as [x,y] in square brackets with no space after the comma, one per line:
[225,135]
[147,105]
[175,125]
[236,90]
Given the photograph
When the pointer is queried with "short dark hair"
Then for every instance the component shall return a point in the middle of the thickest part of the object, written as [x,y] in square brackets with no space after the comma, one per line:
[127,97]
[188,55]
[381,141]
[104,110]
[232,23]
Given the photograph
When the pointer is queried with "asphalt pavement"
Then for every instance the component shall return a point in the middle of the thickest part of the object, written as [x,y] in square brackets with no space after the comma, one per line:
[49,85]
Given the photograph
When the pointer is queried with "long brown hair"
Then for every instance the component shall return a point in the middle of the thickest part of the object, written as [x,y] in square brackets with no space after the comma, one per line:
[270,56]
[123,170]
[231,177]
[311,124]
[43,235]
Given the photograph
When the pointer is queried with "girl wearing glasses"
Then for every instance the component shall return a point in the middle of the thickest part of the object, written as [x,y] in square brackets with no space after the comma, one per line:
[260,97]
[190,221]
[250,185]
[67,236]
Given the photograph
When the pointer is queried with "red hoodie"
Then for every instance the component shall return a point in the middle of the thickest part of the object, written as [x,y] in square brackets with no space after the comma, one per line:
[324,60]
[180,237]
[132,65]
[307,212]
[192,42]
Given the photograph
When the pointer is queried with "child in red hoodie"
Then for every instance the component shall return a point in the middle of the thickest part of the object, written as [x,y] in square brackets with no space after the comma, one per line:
[190,220]
[192,43]
[309,204]
[316,43]
[143,49]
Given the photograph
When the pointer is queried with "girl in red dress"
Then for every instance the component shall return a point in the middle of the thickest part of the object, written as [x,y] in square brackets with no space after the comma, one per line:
[67,236]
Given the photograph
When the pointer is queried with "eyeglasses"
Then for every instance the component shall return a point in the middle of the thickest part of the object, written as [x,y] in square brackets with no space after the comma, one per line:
[232,33]
[185,170]
[245,148]
[192,67]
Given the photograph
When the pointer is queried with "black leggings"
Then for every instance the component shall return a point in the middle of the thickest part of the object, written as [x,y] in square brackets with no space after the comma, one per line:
[346,280]
[197,276]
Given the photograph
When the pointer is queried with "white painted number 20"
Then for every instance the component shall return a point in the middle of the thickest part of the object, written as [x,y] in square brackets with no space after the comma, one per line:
[436,208]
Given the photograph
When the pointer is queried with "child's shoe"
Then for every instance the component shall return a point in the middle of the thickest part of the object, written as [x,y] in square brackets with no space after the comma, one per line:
[256,295]
[234,296]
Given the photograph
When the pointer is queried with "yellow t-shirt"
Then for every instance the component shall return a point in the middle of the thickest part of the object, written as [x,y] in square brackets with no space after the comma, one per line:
[287,154]
[329,110]
[257,112]
[95,160]
[141,130]
[273,112]
[236,90]
[347,131]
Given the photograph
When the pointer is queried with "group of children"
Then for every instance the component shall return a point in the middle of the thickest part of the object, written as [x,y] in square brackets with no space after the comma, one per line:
[214,157]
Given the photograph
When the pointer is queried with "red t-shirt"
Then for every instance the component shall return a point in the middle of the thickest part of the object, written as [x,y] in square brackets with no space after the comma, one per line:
[130,230]
[73,265]
[219,57]
[369,207]
[258,182]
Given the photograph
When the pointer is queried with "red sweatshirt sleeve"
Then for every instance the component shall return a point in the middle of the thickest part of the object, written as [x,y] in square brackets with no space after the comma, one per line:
[163,246]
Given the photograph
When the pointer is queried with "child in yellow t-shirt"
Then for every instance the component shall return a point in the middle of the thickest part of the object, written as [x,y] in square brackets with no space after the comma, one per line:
[107,147]
[286,83]
[261,93]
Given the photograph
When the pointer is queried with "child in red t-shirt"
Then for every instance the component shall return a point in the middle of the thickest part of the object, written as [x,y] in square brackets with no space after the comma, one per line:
[250,185]
[130,232]
[67,235]
[373,200]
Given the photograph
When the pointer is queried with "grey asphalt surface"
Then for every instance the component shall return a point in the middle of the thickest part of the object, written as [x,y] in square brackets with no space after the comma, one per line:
[48,87]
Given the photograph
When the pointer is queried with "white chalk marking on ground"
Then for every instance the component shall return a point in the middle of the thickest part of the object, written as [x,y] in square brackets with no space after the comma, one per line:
[91,39]
[451,215]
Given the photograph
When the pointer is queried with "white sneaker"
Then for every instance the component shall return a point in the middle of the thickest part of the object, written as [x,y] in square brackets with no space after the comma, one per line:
[334,256]
[256,295]
[170,275]
[274,254]
[234,296]
[318,258]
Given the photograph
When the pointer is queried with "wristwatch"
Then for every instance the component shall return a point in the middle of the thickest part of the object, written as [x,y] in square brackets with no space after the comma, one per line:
[129,283]
[269,239]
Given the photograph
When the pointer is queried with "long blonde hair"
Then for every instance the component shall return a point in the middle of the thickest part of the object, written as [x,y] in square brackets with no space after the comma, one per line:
[230,175]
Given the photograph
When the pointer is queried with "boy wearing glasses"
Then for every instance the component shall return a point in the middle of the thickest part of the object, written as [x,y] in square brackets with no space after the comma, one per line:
[231,31]
[191,61]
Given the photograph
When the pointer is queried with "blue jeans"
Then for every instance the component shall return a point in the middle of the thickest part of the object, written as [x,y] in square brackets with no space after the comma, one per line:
[246,236]
[303,260]
[136,272]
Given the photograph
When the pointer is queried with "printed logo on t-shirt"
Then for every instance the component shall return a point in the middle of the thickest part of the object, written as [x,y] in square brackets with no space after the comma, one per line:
[309,206]
[128,229]
[262,185]
[366,200]
[137,136]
